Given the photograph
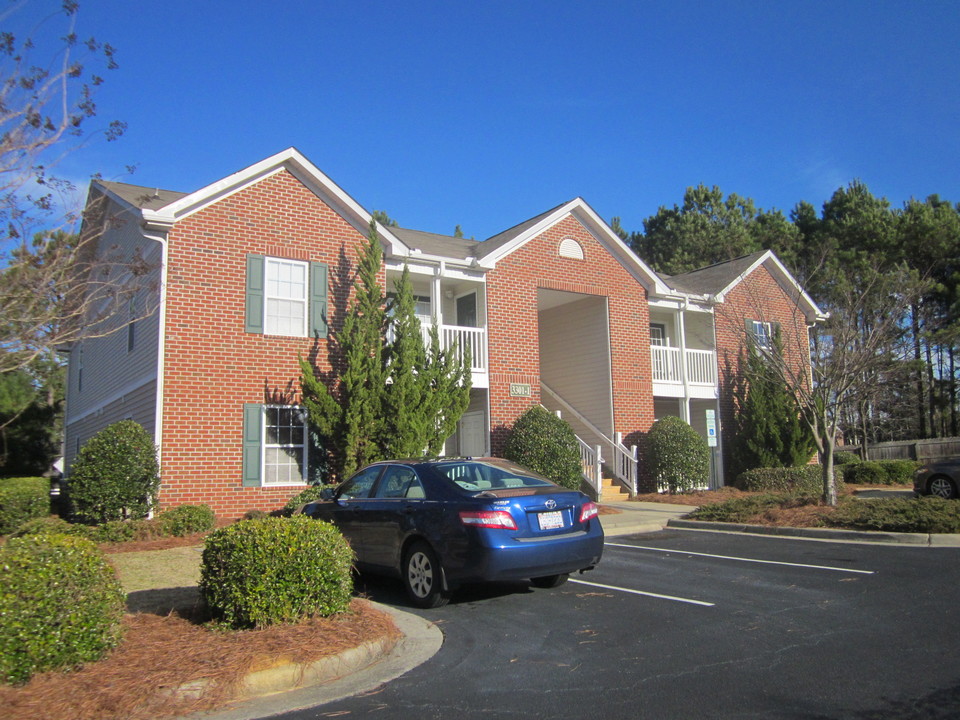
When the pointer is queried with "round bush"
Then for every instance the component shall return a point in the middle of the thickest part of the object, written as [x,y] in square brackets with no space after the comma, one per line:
[679,458]
[186,520]
[545,443]
[116,475]
[845,457]
[50,526]
[275,570]
[60,605]
[22,499]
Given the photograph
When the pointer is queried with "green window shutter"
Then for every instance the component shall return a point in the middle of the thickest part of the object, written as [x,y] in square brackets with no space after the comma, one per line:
[748,324]
[318,299]
[255,291]
[252,433]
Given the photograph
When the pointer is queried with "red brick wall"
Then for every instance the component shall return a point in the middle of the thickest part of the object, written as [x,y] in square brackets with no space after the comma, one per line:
[512,326]
[212,365]
[758,297]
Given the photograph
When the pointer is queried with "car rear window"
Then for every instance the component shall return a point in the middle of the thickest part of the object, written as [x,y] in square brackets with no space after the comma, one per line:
[475,476]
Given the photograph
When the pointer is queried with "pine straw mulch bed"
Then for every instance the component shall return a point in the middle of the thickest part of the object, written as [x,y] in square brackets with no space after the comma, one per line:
[162,652]
[789,516]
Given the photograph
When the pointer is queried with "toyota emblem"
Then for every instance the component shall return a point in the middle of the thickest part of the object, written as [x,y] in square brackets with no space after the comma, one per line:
[551,504]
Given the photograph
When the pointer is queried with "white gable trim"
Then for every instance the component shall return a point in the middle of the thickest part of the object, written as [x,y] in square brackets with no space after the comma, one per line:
[780,273]
[294,162]
[608,239]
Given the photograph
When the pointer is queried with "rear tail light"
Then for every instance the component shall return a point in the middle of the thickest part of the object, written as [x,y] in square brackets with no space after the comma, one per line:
[589,510]
[496,519]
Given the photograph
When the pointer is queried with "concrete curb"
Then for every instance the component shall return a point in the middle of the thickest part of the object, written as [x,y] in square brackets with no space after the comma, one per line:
[863,536]
[290,686]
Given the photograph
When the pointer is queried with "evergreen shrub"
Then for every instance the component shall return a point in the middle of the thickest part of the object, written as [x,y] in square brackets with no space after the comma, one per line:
[307,495]
[921,515]
[60,605]
[738,510]
[275,570]
[115,475]
[546,444]
[186,520]
[51,525]
[807,480]
[22,499]
[845,457]
[679,458]
[881,472]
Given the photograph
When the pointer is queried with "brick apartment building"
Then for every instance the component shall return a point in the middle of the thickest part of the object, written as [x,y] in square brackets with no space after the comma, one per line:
[255,270]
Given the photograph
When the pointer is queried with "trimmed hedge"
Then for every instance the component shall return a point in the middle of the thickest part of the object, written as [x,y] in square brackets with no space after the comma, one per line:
[737,510]
[546,444]
[60,605]
[807,480]
[116,475]
[307,495]
[275,570]
[186,520]
[679,458]
[880,472]
[22,499]
[922,515]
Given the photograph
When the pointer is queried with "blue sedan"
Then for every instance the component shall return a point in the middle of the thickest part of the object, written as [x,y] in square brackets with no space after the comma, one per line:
[439,524]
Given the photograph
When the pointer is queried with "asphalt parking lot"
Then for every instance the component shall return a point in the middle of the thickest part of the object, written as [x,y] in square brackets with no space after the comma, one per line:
[681,624]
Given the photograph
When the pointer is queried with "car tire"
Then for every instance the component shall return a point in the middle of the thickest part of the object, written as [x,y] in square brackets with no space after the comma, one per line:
[423,577]
[550,581]
[942,486]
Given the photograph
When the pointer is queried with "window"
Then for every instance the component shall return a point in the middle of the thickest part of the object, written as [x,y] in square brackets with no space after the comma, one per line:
[132,326]
[274,445]
[285,297]
[360,485]
[763,335]
[658,334]
[399,482]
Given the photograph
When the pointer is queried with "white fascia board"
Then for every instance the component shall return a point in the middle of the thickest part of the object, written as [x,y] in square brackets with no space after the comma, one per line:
[786,280]
[446,268]
[600,231]
[293,161]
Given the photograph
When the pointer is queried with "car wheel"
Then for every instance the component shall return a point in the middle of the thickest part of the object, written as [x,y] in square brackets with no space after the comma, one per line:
[423,577]
[942,486]
[550,581]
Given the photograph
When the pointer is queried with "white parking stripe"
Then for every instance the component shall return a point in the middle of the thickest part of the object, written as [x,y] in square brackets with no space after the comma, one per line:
[641,592]
[741,559]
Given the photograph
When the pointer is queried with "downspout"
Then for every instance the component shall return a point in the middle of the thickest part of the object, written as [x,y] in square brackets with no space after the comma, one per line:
[682,330]
[161,238]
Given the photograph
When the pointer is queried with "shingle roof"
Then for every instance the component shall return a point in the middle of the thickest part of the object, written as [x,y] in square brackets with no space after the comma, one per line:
[490,244]
[713,278]
[146,198]
[434,244]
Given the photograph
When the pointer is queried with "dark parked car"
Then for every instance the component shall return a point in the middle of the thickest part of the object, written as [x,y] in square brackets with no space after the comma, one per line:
[440,524]
[941,478]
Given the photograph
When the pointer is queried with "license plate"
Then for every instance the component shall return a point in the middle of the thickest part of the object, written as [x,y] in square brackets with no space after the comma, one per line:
[550,520]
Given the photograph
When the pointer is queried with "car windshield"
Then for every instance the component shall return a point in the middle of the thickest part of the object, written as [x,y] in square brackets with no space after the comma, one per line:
[476,476]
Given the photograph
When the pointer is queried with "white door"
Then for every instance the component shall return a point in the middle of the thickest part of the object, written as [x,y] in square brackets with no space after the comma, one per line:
[473,435]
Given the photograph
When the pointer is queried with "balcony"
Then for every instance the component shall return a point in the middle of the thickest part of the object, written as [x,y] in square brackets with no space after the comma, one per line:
[464,337]
[701,366]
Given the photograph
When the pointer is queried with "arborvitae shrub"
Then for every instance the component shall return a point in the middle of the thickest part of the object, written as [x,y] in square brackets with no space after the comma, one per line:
[275,570]
[116,475]
[60,605]
[679,458]
[545,443]
[186,520]
[22,499]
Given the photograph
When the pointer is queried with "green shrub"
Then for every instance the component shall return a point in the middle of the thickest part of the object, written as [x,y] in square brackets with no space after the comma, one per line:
[738,510]
[679,458]
[807,480]
[845,457]
[900,472]
[881,472]
[22,499]
[275,570]
[309,494]
[255,515]
[50,526]
[60,605]
[545,443]
[186,520]
[116,475]
[923,515]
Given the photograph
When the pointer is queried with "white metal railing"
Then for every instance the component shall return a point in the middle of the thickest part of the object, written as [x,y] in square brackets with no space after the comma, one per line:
[701,365]
[590,462]
[464,337]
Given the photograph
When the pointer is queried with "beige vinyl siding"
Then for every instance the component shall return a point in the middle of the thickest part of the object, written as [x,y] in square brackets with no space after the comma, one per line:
[575,357]
[138,405]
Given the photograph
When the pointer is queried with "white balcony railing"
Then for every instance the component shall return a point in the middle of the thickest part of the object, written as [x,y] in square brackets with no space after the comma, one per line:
[701,365]
[464,337]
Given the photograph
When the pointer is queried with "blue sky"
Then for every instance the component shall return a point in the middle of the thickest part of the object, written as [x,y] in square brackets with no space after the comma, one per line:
[488,113]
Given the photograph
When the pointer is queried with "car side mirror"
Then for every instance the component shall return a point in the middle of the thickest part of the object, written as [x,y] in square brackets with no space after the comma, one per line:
[326,493]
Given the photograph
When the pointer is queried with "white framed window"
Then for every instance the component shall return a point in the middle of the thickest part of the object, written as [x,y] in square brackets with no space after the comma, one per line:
[285,297]
[658,334]
[284,445]
[763,335]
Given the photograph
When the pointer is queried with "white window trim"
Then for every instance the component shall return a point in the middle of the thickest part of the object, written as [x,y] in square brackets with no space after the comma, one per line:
[267,297]
[264,446]
[763,330]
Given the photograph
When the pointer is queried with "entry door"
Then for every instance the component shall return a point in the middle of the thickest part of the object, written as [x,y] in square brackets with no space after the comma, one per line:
[473,435]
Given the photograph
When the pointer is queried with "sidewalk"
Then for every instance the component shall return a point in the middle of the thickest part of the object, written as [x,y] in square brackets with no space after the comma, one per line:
[640,517]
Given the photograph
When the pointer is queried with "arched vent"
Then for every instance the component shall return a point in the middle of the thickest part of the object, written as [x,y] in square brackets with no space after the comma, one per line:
[570,248]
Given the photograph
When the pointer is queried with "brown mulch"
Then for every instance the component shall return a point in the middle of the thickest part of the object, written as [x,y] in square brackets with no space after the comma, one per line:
[160,653]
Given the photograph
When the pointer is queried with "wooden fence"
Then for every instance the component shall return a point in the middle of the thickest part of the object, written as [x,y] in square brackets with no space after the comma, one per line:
[935,449]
